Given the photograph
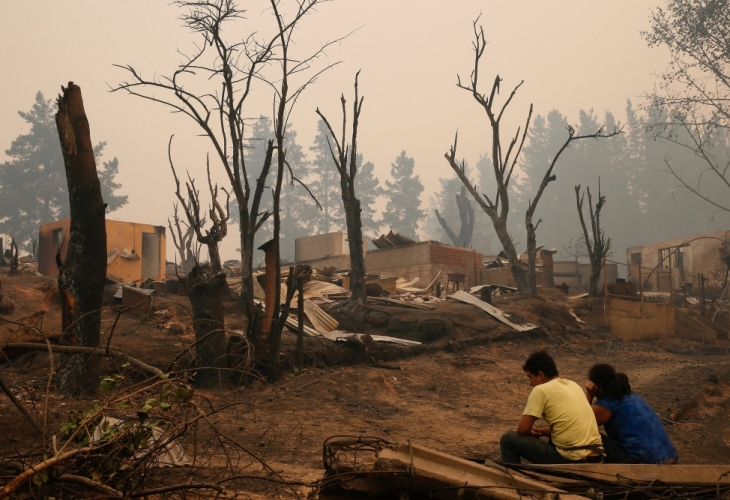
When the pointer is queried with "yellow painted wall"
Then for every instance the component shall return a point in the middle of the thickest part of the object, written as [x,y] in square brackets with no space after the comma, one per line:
[118,234]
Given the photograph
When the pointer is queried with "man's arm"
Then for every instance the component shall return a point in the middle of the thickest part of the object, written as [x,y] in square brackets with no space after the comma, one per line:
[524,426]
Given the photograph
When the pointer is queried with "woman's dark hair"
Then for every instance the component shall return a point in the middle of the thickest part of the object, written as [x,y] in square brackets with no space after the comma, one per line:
[612,384]
[541,361]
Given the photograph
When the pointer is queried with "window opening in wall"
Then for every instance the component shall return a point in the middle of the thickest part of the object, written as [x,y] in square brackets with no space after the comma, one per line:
[636,259]
[675,254]
[57,236]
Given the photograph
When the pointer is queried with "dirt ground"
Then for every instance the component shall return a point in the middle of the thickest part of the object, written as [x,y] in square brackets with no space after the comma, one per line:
[457,394]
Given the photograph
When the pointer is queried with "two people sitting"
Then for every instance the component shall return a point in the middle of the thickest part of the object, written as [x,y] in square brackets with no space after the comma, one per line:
[634,433]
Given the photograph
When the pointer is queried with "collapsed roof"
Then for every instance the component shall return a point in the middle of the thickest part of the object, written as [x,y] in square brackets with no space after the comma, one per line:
[392,240]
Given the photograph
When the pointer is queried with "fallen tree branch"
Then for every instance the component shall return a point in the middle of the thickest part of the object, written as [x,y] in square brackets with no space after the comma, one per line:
[72,349]
[35,469]
[20,406]
[90,483]
[267,479]
[175,487]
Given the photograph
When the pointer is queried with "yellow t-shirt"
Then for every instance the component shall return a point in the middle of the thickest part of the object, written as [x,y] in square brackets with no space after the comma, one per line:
[564,407]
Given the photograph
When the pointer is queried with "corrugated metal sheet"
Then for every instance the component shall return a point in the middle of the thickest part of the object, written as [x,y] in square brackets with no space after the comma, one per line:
[343,336]
[497,314]
[392,240]
[322,322]
[308,331]
[321,289]
[400,303]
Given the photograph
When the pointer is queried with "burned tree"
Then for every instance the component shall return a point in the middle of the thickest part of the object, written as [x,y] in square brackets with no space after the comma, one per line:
[345,158]
[206,285]
[597,245]
[82,274]
[504,161]
[219,114]
[14,263]
[466,215]
[184,241]
[285,97]
[230,68]
[192,208]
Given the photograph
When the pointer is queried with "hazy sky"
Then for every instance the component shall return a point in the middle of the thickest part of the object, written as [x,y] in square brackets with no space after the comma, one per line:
[572,54]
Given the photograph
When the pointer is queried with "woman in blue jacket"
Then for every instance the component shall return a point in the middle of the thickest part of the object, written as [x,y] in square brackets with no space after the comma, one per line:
[634,433]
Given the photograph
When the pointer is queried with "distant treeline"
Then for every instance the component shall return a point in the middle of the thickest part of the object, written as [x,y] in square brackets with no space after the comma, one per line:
[644,203]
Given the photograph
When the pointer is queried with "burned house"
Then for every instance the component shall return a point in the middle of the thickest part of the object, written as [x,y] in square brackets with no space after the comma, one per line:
[497,269]
[576,274]
[134,251]
[398,255]
[329,245]
[684,259]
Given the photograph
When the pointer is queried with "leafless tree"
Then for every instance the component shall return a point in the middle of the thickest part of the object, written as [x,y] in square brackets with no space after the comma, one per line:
[184,239]
[597,245]
[345,157]
[192,207]
[504,162]
[232,68]
[466,215]
[695,92]
[207,286]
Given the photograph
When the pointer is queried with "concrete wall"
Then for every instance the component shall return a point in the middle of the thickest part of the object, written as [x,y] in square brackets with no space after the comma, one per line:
[322,245]
[565,271]
[701,255]
[633,320]
[336,261]
[424,260]
[421,260]
[503,276]
[119,235]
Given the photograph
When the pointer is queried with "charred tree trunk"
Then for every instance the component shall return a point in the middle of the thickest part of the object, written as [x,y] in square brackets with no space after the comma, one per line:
[597,244]
[207,286]
[354,241]
[206,289]
[345,158]
[466,215]
[82,275]
[14,262]
[249,223]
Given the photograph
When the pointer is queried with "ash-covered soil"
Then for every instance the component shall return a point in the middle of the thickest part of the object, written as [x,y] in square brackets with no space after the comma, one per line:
[458,393]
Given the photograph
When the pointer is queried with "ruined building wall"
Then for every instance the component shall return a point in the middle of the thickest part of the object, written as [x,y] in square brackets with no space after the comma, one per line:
[145,241]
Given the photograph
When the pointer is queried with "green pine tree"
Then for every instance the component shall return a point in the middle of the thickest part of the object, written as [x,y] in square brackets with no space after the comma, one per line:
[33,189]
[403,210]
[367,189]
[325,185]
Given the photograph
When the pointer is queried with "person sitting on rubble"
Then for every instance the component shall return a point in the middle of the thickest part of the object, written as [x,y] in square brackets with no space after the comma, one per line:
[634,433]
[572,432]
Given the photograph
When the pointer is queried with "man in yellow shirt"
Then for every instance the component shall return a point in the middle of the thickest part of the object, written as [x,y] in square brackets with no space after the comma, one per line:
[572,430]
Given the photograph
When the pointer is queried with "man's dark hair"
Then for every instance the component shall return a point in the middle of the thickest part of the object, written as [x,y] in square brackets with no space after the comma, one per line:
[541,361]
